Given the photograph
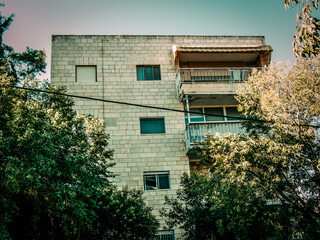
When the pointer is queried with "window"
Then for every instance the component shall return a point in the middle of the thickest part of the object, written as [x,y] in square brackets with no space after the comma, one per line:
[86,74]
[147,73]
[196,117]
[152,125]
[212,114]
[165,235]
[156,181]
[232,112]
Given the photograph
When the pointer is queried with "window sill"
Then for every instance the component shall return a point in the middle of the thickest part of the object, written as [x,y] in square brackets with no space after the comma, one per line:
[233,121]
[148,134]
[157,190]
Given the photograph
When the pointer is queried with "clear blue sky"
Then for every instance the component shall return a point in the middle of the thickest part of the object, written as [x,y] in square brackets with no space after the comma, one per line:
[37,20]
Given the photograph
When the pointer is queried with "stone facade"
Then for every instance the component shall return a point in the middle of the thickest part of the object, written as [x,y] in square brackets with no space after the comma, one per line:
[115,59]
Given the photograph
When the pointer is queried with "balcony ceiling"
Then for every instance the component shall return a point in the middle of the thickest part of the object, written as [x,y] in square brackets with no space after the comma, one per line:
[221,57]
[212,99]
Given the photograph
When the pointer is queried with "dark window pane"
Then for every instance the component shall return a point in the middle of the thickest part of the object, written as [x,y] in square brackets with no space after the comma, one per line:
[233,112]
[214,111]
[148,73]
[150,182]
[140,73]
[152,125]
[194,117]
[164,181]
[156,73]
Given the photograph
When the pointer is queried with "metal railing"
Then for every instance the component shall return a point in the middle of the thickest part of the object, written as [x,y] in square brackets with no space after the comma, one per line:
[213,74]
[196,132]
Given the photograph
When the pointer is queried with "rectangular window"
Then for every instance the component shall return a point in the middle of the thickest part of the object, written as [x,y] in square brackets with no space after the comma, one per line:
[156,181]
[148,73]
[196,117]
[165,235]
[212,114]
[86,74]
[152,125]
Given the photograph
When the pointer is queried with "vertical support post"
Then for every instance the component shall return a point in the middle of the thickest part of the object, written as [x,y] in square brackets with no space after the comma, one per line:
[187,104]
[188,130]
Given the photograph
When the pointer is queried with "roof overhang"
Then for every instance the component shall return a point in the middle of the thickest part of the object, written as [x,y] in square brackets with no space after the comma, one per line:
[232,53]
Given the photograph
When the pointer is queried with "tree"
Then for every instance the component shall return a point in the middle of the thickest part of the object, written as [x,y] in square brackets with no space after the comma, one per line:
[54,168]
[268,178]
[307,38]
[123,215]
[280,156]
[213,208]
[19,65]
[55,175]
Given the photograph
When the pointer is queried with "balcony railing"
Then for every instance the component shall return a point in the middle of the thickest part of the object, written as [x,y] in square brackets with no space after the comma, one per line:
[205,80]
[213,74]
[196,132]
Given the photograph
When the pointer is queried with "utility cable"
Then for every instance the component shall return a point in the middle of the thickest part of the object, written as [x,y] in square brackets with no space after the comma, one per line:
[146,106]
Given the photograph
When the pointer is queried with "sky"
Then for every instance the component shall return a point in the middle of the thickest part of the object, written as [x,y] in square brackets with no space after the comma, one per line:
[36,20]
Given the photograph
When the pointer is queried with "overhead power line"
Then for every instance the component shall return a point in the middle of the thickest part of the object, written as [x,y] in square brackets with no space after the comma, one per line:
[143,106]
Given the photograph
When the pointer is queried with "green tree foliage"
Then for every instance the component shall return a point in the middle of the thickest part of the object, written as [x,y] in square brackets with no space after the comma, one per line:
[54,164]
[265,181]
[307,38]
[213,208]
[123,215]
[19,65]
[280,156]
[55,175]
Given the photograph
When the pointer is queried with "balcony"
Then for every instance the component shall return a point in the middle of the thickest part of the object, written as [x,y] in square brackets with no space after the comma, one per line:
[210,81]
[196,132]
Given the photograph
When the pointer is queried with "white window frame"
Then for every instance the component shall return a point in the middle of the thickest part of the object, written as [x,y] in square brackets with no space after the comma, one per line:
[86,66]
[145,74]
[165,235]
[156,174]
[224,109]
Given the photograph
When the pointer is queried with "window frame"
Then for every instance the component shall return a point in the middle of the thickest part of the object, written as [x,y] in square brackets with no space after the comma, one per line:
[150,119]
[76,72]
[156,174]
[165,235]
[145,73]
[204,117]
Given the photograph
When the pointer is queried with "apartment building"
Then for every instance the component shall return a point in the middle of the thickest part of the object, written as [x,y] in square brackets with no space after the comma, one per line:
[154,147]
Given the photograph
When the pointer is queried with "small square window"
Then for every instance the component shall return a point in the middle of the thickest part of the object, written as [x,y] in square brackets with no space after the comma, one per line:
[86,74]
[148,73]
[156,181]
[152,125]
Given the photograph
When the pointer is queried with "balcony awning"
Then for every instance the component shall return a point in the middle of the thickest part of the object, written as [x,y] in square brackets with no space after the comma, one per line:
[222,53]
[233,49]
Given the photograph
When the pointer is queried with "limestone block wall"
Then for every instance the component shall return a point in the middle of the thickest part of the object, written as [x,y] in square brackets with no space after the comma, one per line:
[116,58]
